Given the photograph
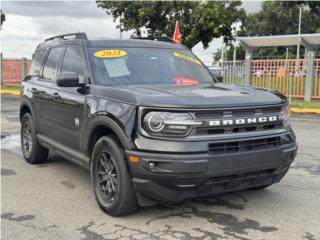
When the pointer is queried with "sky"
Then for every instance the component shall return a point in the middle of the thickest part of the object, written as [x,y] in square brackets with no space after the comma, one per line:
[29,22]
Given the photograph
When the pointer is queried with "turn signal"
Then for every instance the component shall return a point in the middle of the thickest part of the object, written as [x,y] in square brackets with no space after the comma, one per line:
[134,159]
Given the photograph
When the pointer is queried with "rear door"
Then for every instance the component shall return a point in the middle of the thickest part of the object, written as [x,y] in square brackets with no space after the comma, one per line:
[45,86]
[31,83]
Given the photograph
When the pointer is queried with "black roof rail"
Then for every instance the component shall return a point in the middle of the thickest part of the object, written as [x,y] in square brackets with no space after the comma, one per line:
[161,38]
[78,35]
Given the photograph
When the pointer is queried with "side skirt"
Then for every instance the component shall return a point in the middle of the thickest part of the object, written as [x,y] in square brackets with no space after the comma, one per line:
[66,152]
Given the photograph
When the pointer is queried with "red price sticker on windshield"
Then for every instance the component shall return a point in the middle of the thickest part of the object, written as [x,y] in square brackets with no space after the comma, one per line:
[110,53]
[183,81]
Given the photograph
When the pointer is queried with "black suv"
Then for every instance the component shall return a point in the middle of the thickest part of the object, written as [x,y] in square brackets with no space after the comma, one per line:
[150,122]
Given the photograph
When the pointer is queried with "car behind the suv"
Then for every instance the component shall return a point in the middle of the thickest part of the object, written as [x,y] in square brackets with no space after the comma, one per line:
[150,122]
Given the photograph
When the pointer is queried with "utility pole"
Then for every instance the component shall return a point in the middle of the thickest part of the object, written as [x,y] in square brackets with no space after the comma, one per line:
[234,54]
[3,18]
[288,75]
[235,47]
[222,60]
[299,32]
[120,28]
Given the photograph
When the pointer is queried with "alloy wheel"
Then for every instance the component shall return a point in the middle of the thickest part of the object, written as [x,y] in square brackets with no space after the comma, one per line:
[107,177]
[27,138]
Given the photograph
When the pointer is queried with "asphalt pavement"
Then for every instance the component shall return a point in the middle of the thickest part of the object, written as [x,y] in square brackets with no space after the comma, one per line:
[55,200]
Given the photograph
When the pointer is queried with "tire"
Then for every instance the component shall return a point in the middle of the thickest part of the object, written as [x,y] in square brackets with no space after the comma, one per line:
[32,151]
[114,190]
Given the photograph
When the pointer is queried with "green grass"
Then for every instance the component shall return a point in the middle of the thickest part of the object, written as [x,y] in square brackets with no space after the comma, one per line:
[11,87]
[315,104]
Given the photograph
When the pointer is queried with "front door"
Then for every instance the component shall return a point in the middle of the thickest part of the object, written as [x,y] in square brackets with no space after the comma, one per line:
[65,112]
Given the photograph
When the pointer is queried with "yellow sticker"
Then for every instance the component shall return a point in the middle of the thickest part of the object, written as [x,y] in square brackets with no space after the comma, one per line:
[110,53]
[194,60]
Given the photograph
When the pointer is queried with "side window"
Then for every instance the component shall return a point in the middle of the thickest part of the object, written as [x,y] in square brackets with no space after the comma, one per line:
[52,63]
[74,61]
[36,63]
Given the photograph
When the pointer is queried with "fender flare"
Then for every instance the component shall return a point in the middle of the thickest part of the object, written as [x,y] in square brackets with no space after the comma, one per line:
[26,103]
[103,120]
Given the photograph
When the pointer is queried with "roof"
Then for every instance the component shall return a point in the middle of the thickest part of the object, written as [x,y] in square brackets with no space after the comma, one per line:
[280,40]
[81,38]
[134,43]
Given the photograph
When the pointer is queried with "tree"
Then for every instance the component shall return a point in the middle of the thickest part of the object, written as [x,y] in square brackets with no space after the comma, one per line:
[279,17]
[199,21]
[282,17]
[240,54]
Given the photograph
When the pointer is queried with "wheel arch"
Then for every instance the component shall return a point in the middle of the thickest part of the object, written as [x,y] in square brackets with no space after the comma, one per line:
[25,107]
[104,126]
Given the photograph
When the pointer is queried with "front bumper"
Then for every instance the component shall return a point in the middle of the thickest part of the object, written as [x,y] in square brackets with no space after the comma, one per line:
[164,177]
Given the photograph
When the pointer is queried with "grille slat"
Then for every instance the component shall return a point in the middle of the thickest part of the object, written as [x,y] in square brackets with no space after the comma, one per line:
[244,145]
[249,175]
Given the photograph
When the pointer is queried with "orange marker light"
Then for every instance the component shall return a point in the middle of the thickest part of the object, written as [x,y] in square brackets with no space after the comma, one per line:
[134,159]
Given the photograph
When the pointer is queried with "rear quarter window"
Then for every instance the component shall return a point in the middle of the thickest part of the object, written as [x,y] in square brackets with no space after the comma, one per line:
[36,63]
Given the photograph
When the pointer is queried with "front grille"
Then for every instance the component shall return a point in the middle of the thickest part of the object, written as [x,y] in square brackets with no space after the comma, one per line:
[225,114]
[236,129]
[244,145]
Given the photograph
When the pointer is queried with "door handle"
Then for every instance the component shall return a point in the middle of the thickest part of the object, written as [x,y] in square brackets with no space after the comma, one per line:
[56,96]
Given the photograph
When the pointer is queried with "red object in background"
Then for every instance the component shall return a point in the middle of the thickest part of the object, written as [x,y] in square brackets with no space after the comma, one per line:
[12,71]
[177,35]
[183,81]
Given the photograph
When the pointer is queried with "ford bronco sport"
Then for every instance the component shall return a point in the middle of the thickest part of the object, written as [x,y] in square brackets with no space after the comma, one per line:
[150,122]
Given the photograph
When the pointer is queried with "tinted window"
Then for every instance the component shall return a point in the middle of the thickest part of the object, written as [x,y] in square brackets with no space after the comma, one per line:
[36,63]
[74,61]
[148,66]
[51,65]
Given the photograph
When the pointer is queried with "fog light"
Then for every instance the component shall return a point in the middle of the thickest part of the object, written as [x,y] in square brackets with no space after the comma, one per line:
[152,165]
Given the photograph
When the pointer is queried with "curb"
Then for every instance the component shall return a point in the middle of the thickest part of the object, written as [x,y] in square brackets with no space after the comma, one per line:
[12,92]
[304,110]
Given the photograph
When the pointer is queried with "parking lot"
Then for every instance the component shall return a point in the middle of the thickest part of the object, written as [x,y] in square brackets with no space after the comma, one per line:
[55,200]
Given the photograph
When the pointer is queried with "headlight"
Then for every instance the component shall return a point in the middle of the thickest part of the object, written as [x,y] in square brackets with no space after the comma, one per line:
[166,123]
[285,113]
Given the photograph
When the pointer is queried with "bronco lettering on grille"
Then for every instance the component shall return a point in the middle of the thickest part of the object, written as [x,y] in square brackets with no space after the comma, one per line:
[240,121]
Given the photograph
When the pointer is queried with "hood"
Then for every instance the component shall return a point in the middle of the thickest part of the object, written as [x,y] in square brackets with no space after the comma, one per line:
[199,96]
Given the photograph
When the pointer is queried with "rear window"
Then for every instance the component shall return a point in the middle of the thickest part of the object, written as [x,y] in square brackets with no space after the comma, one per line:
[128,66]
[36,63]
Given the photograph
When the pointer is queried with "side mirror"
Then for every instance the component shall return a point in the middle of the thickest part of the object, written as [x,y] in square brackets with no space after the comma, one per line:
[215,75]
[68,79]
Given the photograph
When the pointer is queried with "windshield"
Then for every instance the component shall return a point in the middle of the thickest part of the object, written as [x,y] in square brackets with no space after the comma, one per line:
[127,66]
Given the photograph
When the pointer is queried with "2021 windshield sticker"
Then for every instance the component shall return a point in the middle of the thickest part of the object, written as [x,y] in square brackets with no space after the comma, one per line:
[110,53]
[191,59]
